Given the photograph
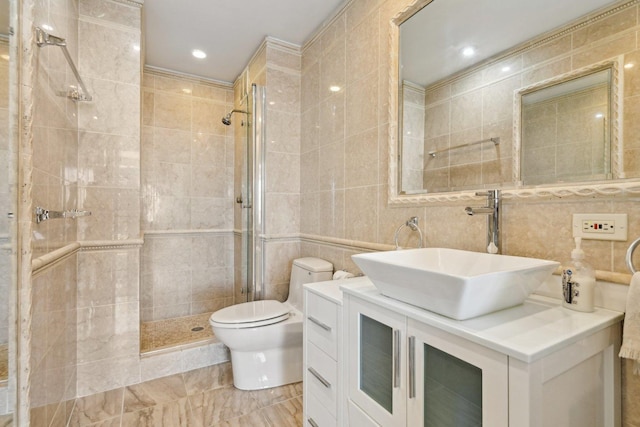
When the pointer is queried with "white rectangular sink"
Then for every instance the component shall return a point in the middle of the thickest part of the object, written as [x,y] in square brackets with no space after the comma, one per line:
[455,283]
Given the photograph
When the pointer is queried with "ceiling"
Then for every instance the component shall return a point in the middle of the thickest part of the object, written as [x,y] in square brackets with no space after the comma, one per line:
[228,31]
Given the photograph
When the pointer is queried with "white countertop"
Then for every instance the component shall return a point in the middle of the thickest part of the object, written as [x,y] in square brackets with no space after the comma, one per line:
[331,288]
[526,332]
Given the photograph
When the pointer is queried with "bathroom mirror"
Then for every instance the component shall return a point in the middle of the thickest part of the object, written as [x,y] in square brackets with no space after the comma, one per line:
[566,130]
[461,69]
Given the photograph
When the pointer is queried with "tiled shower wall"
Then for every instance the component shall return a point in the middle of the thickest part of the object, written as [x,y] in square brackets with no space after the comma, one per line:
[187,196]
[109,185]
[344,146]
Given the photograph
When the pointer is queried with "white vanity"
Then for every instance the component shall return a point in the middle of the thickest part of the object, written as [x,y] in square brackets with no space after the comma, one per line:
[373,361]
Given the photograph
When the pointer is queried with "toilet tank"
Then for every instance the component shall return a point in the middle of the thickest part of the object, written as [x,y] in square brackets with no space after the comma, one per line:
[307,270]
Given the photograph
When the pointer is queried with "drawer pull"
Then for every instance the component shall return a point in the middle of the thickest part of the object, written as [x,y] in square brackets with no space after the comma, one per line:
[312,423]
[319,323]
[319,377]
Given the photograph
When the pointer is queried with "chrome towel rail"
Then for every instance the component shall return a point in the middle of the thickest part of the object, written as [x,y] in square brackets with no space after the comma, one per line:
[629,256]
[495,141]
[45,39]
[45,214]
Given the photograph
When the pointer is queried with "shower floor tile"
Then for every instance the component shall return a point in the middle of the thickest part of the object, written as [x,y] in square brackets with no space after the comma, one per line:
[168,333]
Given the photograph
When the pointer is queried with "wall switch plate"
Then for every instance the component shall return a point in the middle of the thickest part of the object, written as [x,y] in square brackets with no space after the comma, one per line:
[600,226]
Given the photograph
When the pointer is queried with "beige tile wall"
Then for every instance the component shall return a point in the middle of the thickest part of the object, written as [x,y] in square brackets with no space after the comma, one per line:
[282,170]
[54,337]
[347,133]
[413,146]
[564,139]
[187,185]
[108,165]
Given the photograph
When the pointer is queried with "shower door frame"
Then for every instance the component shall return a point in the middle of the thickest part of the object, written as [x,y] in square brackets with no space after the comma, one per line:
[253,218]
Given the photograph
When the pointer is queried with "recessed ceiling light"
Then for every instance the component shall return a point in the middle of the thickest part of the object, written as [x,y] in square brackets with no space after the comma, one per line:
[334,88]
[198,54]
[629,65]
[47,27]
[505,69]
[468,51]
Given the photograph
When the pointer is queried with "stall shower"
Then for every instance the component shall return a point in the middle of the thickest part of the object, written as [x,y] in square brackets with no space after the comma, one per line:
[190,269]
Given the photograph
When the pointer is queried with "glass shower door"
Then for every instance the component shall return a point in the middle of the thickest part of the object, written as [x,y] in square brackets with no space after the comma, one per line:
[252,190]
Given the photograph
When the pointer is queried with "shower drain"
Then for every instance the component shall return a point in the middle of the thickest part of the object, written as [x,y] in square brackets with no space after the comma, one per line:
[197,329]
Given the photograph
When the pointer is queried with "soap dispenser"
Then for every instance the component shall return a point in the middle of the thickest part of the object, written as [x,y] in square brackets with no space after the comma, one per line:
[578,281]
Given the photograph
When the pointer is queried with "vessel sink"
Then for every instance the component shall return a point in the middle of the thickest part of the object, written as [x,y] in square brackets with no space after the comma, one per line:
[454,283]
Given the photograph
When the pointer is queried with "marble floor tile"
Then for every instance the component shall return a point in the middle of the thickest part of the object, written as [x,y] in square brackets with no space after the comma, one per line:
[200,398]
[208,378]
[170,414]
[6,420]
[271,396]
[96,408]
[254,419]
[4,362]
[222,404]
[154,392]
[285,414]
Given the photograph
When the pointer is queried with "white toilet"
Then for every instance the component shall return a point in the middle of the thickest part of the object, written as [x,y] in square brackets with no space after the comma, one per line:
[265,337]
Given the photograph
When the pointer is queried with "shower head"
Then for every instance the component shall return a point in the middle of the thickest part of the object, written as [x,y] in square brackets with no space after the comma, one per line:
[226,120]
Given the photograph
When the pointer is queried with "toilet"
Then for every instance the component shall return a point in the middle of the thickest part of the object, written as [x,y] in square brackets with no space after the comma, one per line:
[265,337]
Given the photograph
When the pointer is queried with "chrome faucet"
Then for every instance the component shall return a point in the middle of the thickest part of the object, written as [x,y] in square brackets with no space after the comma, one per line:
[492,210]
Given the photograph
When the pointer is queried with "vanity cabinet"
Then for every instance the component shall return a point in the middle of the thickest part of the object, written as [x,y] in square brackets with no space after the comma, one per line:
[403,372]
[534,365]
[323,376]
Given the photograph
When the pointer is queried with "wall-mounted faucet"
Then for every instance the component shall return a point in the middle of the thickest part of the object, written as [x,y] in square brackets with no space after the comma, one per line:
[492,210]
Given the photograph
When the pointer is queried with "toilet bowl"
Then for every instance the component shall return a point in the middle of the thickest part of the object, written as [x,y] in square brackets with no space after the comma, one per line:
[265,337]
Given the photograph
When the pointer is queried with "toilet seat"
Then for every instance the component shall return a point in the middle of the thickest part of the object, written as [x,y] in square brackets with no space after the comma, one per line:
[250,314]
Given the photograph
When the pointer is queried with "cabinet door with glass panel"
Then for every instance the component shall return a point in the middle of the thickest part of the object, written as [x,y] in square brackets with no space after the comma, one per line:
[453,382]
[377,362]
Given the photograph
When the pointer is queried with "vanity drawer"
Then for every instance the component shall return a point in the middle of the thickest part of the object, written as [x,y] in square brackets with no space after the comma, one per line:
[321,318]
[317,415]
[321,377]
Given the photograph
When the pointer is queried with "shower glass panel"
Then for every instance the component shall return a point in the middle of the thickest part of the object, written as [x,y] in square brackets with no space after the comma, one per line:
[252,170]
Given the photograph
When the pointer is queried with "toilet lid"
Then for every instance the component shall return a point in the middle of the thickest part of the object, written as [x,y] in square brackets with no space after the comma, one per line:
[251,314]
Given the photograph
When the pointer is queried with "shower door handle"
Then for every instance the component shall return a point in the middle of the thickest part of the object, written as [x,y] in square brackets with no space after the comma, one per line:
[239,201]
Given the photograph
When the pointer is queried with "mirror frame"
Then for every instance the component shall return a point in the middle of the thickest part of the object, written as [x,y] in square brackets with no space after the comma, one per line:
[515,190]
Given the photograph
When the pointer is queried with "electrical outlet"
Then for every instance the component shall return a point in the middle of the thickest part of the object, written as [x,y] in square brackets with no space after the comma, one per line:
[600,226]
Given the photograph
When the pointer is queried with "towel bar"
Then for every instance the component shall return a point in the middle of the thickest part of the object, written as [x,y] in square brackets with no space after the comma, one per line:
[629,256]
